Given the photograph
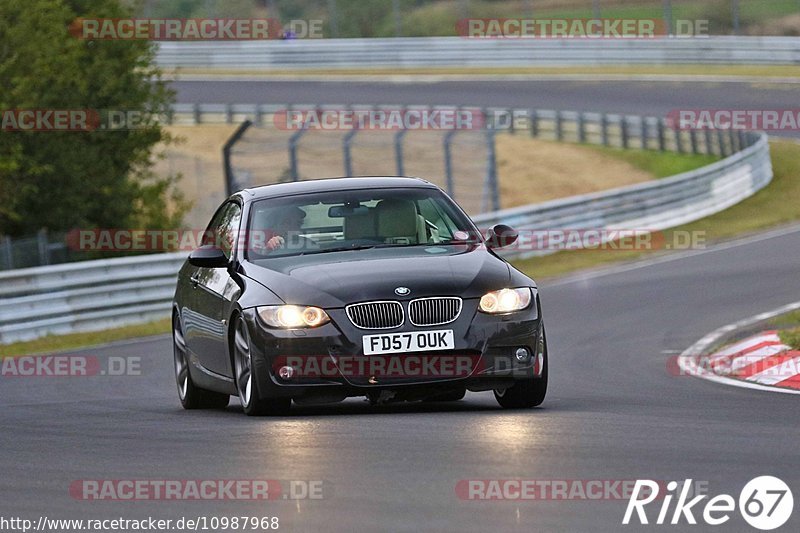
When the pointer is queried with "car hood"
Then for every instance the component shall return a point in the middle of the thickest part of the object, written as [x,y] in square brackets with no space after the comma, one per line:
[336,279]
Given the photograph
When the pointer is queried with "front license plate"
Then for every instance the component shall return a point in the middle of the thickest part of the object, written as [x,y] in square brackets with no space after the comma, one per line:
[415,341]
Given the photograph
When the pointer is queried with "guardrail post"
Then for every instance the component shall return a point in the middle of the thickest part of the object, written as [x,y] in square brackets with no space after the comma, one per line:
[623,125]
[581,128]
[707,141]
[398,151]
[42,245]
[534,123]
[9,253]
[693,141]
[662,143]
[643,131]
[723,150]
[604,129]
[559,127]
[226,155]
[448,161]
[679,140]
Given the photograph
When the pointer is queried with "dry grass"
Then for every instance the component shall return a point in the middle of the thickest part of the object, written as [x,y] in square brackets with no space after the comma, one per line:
[533,171]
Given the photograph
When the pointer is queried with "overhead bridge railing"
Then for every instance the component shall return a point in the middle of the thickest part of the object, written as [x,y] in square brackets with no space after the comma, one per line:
[459,52]
[94,295]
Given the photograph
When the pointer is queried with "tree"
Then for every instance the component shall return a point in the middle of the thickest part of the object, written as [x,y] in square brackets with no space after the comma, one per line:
[64,179]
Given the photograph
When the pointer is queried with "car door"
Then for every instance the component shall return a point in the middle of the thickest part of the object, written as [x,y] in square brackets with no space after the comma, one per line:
[213,290]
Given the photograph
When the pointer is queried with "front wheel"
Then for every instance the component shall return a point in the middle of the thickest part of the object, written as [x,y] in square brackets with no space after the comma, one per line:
[249,371]
[530,392]
[191,396]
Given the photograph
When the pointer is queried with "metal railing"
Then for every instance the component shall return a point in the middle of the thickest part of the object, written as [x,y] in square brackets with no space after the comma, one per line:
[95,295]
[421,52]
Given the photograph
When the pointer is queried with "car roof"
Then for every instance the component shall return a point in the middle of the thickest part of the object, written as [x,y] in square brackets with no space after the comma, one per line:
[334,184]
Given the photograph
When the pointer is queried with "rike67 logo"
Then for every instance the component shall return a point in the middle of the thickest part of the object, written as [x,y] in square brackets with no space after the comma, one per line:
[765,503]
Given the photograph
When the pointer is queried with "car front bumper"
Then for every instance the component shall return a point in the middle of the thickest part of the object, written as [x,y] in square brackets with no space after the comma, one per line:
[329,360]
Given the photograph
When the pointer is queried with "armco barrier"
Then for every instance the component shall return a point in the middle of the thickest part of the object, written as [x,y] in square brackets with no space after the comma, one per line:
[95,295]
[421,52]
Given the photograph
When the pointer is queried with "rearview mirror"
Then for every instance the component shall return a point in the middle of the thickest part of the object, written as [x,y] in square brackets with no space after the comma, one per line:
[500,236]
[208,256]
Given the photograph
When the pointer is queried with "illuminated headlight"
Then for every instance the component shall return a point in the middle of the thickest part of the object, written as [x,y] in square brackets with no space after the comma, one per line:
[506,300]
[293,316]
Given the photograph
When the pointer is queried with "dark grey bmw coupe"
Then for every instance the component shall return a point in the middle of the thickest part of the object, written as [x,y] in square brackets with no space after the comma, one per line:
[315,291]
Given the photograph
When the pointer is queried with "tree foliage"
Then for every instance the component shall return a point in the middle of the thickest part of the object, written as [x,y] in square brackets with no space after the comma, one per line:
[64,179]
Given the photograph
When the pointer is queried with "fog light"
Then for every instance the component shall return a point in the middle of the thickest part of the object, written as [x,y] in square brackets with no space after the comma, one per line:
[522,355]
[286,372]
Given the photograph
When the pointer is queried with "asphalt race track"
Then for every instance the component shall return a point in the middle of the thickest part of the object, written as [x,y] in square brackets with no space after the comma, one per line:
[613,412]
[655,98]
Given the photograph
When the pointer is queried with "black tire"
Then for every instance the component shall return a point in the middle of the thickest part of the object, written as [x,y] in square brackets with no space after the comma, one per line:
[452,396]
[190,395]
[248,373]
[528,393]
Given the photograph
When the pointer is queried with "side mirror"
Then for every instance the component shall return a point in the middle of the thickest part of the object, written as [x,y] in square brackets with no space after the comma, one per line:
[208,256]
[500,236]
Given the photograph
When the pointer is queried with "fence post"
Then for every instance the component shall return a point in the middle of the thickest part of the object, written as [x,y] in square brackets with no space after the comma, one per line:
[693,140]
[228,113]
[491,174]
[742,140]
[662,143]
[732,139]
[643,132]
[604,129]
[534,125]
[448,162]
[623,125]
[398,151]
[559,127]
[196,113]
[679,140]
[258,117]
[226,155]
[581,128]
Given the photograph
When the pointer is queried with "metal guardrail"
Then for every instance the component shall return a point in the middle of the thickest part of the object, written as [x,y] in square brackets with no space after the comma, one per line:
[86,296]
[420,52]
[93,295]
[650,206]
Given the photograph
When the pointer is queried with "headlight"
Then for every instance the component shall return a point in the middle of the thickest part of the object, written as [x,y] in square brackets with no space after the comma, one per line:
[293,316]
[505,300]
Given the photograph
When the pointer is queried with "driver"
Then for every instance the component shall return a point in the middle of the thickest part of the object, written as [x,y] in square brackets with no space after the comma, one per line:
[284,223]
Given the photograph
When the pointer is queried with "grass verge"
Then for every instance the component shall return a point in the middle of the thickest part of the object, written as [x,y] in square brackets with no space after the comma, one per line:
[73,341]
[771,206]
[659,164]
[789,328]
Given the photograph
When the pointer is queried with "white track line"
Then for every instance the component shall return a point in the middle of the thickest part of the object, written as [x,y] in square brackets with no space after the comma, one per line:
[687,361]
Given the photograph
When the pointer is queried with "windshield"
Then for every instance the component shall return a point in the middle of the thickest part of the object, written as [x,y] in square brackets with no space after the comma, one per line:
[353,220]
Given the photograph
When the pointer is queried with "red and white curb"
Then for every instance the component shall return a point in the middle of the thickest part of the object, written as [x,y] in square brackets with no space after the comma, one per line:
[760,362]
